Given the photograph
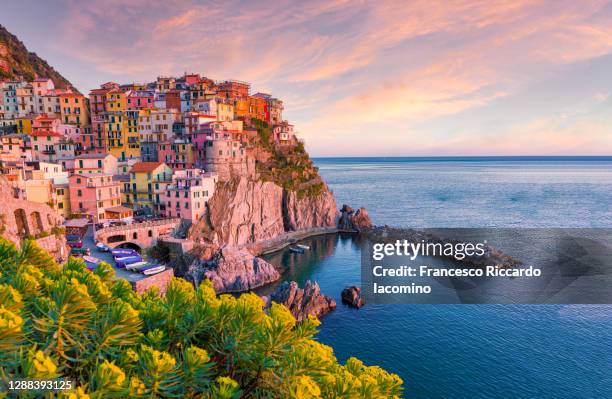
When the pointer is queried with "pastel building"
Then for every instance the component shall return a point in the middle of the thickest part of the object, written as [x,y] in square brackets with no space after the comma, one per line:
[188,194]
[93,195]
[73,109]
[95,163]
[177,154]
[148,181]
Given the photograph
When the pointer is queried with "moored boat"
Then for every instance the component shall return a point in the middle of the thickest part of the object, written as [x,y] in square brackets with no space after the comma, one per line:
[153,270]
[127,260]
[123,252]
[296,250]
[302,246]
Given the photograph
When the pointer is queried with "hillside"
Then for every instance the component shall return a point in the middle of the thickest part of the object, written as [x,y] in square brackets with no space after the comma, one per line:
[16,60]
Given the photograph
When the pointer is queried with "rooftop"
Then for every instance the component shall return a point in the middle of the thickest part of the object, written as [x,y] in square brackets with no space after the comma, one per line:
[145,167]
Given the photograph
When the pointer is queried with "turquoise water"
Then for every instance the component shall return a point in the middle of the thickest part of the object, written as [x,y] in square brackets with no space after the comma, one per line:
[467,351]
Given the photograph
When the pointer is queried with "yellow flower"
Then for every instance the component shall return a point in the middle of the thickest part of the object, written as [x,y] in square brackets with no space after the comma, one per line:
[196,355]
[80,288]
[43,365]
[132,355]
[305,387]
[78,394]
[115,375]
[227,382]
[137,387]
[9,321]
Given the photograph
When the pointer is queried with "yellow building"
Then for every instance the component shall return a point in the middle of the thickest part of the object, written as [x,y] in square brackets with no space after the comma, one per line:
[73,109]
[225,112]
[116,101]
[24,125]
[62,199]
[148,182]
[241,108]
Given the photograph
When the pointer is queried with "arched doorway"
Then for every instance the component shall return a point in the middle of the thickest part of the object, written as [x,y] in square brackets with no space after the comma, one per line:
[116,238]
[130,245]
[37,224]
[21,221]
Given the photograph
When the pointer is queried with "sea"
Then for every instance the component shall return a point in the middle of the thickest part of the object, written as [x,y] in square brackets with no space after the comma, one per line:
[466,351]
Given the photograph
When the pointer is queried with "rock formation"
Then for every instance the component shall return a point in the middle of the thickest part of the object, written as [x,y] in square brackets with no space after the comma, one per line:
[245,211]
[303,302]
[234,270]
[350,219]
[352,297]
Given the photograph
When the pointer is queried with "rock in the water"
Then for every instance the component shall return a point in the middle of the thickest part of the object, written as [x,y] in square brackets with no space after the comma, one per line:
[236,270]
[354,220]
[352,297]
[305,302]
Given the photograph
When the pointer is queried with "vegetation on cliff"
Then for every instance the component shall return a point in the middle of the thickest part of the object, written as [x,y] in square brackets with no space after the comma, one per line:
[27,64]
[289,167]
[68,322]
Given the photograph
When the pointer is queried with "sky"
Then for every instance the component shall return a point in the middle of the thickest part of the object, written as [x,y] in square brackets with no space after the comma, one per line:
[362,78]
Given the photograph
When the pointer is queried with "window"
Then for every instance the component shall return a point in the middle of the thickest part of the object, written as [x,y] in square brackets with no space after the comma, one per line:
[135,236]
[79,193]
[150,233]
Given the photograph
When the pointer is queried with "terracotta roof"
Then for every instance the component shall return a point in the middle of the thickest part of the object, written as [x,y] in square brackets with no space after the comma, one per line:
[145,167]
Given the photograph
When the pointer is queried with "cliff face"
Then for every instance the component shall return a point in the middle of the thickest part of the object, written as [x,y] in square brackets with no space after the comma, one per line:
[245,211]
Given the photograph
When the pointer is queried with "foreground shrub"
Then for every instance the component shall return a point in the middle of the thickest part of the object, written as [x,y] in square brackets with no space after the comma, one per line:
[67,322]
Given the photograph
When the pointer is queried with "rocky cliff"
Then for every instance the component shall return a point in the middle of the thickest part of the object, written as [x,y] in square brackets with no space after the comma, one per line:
[245,211]
[303,302]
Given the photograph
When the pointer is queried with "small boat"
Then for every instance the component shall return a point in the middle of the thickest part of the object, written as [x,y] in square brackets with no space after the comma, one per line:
[102,247]
[303,246]
[138,265]
[123,252]
[296,250]
[91,262]
[153,270]
[127,260]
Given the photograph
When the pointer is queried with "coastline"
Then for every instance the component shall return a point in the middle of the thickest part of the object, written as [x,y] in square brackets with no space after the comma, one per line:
[278,243]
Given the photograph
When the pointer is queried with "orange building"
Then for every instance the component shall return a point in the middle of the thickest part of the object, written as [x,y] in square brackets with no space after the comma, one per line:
[74,109]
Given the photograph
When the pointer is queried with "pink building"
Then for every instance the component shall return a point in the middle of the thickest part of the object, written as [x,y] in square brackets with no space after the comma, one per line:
[137,99]
[96,163]
[188,194]
[177,154]
[93,196]
[43,144]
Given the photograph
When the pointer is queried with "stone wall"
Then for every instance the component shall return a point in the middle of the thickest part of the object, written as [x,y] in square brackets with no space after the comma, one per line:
[159,280]
[20,219]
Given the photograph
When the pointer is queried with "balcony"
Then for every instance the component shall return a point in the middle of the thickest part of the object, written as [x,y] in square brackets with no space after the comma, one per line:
[48,152]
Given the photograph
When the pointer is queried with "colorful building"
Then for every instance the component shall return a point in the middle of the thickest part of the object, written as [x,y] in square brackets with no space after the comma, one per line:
[148,181]
[188,194]
[74,109]
[92,195]
[94,163]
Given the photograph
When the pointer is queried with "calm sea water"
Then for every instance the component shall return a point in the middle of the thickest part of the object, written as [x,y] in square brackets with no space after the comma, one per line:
[467,351]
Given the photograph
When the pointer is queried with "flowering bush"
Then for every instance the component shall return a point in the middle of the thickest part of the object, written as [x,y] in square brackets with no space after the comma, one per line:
[71,323]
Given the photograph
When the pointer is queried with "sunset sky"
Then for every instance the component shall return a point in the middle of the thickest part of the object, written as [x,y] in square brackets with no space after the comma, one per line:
[362,77]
